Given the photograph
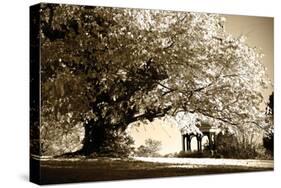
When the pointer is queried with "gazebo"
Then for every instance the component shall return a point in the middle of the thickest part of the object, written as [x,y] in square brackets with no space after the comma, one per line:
[206,130]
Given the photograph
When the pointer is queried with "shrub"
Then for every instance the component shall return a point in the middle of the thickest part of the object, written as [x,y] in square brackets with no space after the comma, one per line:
[196,154]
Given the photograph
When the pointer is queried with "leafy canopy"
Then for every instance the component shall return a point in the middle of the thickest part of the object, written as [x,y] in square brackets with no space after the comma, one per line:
[115,66]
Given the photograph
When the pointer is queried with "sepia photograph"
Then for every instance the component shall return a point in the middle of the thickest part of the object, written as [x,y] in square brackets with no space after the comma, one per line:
[127,93]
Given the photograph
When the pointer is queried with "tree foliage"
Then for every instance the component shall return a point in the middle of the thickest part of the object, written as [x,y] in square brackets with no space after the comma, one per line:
[104,68]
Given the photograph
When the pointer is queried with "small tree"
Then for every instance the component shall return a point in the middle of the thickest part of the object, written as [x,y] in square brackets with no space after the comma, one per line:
[150,149]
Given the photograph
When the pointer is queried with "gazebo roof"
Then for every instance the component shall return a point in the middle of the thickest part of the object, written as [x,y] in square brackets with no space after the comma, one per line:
[205,126]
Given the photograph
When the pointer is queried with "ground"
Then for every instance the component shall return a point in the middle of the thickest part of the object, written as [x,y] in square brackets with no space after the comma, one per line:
[77,170]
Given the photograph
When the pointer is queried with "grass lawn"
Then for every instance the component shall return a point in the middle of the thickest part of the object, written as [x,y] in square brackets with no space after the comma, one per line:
[65,171]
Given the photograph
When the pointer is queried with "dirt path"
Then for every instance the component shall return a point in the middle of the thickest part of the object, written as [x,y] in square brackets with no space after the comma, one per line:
[199,162]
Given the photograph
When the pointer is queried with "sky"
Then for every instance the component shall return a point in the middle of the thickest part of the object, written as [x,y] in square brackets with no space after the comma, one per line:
[259,33]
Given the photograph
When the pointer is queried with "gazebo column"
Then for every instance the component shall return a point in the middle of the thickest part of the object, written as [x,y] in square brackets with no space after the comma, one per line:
[183,142]
[211,143]
[188,143]
[199,143]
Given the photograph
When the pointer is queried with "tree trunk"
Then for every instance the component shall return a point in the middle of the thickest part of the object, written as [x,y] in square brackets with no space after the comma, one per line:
[95,139]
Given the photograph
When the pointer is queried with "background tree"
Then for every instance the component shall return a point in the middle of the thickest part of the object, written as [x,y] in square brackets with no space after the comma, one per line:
[104,68]
[150,149]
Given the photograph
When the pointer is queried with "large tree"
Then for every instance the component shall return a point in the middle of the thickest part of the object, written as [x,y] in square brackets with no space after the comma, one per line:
[105,68]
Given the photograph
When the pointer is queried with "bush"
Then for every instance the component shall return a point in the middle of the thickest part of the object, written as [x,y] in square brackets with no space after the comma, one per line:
[196,154]
[170,155]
